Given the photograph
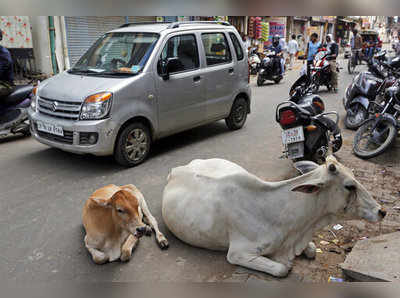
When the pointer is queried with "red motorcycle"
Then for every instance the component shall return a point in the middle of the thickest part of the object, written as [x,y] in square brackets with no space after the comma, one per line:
[320,72]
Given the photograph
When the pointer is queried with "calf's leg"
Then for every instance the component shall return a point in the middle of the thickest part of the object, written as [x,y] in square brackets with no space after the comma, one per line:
[149,218]
[98,256]
[126,250]
[254,261]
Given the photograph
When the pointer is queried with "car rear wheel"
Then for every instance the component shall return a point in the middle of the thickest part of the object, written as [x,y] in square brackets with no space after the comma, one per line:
[133,145]
[238,114]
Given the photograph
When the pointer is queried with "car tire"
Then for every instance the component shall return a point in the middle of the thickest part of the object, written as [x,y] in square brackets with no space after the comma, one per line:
[260,81]
[238,114]
[133,145]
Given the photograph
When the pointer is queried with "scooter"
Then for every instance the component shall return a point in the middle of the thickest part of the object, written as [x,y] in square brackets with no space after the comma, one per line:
[254,61]
[270,68]
[14,111]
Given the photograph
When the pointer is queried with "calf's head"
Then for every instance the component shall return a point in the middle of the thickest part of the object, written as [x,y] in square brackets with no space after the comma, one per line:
[126,212]
[344,195]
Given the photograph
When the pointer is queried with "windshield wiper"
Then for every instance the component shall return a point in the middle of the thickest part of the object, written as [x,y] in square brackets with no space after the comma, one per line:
[91,71]
[118,73]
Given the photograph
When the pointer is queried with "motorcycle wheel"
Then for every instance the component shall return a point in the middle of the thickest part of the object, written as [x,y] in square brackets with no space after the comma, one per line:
[315,88]
[368,143]
[355,116]
[260,81]
[277,80]
[351,65]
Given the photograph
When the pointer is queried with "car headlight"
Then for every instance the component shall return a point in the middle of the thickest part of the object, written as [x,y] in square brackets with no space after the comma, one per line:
[96,106]
[34,99]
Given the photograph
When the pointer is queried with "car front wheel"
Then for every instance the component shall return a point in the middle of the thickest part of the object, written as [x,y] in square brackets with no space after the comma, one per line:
[133,145]
[238,114]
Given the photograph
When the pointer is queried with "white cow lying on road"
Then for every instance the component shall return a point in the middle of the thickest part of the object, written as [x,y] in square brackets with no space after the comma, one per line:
[218,205]
[113,220]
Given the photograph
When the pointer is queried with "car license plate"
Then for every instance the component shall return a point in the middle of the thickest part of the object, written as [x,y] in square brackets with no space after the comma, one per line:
[293,135]
[50,128]
[295,150]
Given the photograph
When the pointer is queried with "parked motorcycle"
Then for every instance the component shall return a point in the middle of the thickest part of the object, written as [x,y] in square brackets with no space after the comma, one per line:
[367,90]
[321,73]
[254,61]
[377,133]
[357,57]
[308,133]
[270,68]
[13,111]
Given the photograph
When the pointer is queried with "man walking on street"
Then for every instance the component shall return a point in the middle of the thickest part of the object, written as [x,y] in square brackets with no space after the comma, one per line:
[356,44]
[333,50]
[293,48]
[6,71]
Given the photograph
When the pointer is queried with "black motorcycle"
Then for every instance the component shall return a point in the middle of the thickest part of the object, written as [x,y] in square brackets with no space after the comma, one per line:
[270,68]
[377,133]
[308,133]
[367,90]
[14,111]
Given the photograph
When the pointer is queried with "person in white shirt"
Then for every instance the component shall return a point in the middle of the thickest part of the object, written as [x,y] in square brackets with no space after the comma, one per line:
[293,48]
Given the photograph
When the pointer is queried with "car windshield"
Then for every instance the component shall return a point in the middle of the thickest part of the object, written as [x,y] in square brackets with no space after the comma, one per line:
[119,53]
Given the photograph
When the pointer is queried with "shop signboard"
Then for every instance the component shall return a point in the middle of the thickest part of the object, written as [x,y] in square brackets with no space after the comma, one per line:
[276,29]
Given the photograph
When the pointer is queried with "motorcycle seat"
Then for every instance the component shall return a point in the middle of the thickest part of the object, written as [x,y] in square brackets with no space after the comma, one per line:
[20,93]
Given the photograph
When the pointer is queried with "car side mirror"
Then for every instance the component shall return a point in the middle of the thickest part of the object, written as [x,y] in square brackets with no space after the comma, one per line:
[167,66]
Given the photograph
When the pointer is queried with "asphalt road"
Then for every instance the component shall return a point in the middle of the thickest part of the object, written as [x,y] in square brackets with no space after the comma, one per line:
[43,191]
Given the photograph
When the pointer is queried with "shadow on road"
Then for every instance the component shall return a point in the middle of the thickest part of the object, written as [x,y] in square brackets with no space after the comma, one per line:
[11,138]
[101,165]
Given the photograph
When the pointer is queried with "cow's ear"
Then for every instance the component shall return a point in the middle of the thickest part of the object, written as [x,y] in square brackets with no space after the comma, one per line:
[102,202]
[305,166]
[307,188]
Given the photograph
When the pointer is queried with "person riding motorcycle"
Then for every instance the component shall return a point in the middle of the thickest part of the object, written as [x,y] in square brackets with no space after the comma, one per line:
[333,50]
[6,71]
[276,47]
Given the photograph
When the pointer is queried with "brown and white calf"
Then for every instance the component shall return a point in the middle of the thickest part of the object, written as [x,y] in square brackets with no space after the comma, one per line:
[218,205]
[113,219]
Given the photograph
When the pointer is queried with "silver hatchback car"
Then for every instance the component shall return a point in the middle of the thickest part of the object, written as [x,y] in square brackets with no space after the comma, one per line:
[141,82]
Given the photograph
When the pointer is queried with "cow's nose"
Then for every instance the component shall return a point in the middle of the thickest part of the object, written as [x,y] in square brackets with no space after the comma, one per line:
[382,212]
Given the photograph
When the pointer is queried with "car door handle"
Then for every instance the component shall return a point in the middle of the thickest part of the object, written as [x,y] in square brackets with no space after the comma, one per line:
[196,79]
[230,70]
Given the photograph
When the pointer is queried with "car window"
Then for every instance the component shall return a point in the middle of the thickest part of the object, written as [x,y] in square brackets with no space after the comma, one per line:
[216,48]
[237,46]
[183,47]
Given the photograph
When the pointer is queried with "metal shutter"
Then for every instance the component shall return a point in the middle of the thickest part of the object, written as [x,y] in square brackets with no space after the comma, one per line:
[82,32]
[139,19]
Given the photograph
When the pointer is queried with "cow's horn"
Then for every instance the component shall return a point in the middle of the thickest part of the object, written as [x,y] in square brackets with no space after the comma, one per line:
[332,167]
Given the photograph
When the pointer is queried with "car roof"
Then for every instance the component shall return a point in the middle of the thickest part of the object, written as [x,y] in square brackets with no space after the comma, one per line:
[158,27]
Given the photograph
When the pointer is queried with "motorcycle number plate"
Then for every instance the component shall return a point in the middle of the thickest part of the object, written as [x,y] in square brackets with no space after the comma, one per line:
[295,150]
[50,128]
[293,135]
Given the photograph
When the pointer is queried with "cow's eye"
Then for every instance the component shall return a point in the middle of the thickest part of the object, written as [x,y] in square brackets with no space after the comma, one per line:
[120,210]
[350,187]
